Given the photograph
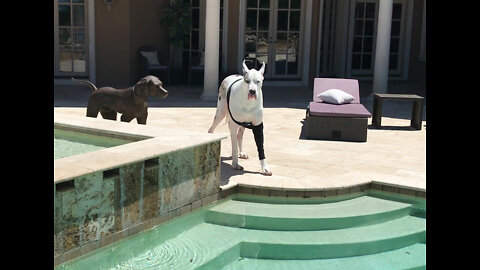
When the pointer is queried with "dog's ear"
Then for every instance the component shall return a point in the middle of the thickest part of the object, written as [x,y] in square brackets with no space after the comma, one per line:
[141,87]
[262,69]
[245,68]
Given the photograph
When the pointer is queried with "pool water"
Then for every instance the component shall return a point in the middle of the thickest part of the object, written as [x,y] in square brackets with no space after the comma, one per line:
[370,230]
[69,143]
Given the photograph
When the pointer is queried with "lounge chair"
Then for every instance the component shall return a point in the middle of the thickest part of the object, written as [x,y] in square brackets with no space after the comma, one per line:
[149,62]
[345,122]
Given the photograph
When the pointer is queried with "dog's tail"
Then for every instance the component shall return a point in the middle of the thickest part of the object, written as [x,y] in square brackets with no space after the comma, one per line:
[85,82]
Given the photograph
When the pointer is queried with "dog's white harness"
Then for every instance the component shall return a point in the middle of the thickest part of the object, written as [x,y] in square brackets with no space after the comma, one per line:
[257,130]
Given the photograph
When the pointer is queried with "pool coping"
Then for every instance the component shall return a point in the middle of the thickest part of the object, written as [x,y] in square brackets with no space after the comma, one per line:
[233,187]
[147,142]
[150,141]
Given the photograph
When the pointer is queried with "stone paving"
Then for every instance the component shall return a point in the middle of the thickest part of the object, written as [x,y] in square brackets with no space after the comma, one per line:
[394,155]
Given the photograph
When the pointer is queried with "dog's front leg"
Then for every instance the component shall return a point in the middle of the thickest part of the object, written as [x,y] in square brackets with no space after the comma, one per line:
[258,136]
[233,137]
[126,118]
[240,143]
[142,119]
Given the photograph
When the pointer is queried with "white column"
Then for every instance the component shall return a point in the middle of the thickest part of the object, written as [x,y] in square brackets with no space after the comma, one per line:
[91,42]
[382,51]
[212,39]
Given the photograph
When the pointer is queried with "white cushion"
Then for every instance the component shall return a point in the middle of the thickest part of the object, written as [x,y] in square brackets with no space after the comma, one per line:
[335,96]
[152,57]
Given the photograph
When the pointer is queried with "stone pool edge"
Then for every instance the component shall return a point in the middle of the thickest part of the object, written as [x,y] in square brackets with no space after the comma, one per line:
[104,196]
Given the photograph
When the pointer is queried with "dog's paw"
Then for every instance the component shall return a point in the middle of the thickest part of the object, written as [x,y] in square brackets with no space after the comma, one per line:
[210,130]
[265,169]
[243,155]
[237,167]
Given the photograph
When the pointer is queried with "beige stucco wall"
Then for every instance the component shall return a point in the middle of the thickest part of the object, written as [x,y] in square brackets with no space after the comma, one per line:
[112,39]
[118,34]
[130,24]
[145,29]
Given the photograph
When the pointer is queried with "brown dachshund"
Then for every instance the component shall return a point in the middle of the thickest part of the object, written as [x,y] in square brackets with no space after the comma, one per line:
[130,102]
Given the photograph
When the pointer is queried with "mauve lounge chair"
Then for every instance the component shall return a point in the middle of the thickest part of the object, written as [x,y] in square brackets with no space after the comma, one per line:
[345,122]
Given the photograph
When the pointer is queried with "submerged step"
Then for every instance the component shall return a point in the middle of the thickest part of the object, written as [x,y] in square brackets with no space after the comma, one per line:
[410,257]
[358,211]
[310,245]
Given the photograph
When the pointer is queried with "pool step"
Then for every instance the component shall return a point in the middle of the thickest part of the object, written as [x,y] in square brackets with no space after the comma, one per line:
[410,257]
[308,245]
[354,212]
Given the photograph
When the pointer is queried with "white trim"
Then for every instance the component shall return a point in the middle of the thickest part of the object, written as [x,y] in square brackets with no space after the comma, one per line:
[91,41]
[225,36]
[405,40]
[382,49]
[212,48]
[319,39]
[241,34]
[308,10]
[307,31]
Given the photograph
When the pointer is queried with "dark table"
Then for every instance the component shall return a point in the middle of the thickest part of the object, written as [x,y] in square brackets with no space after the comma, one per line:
[417,108]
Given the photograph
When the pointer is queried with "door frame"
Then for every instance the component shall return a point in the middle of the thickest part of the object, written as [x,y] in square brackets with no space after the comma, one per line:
[406,35]
[90,36]
[305,30]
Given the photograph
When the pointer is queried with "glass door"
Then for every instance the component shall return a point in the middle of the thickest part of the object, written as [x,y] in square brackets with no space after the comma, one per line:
[273,34]
[364,37]
[70,40]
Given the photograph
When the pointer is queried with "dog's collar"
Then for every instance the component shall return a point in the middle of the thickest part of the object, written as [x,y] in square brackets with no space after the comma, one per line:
[243,124]
[134,92]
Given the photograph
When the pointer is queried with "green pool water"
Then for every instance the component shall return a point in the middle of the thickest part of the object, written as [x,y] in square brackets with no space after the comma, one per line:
[69,143]
[368,231]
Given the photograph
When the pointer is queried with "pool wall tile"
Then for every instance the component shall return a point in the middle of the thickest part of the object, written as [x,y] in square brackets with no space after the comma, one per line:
[130,185]
[102,208]
[150,193]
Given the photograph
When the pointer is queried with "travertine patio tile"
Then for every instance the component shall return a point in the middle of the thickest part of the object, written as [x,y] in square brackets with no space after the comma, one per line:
[393,156]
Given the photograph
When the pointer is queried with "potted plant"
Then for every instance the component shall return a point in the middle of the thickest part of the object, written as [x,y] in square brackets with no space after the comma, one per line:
[177,19]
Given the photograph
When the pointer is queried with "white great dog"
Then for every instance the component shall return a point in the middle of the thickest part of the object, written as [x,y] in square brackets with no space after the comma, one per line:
[240,99]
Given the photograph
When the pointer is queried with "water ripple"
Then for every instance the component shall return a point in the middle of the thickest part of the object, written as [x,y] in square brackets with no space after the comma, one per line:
[177,253]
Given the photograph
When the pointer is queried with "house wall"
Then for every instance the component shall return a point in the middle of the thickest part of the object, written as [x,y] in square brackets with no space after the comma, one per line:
[112,43]
[145,29]
[119,32]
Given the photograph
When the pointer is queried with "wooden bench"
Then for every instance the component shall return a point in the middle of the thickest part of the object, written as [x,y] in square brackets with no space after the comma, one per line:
[417,108]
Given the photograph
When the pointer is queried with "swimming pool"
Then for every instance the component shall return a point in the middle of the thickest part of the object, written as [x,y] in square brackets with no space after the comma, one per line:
[68,143]
[367,230]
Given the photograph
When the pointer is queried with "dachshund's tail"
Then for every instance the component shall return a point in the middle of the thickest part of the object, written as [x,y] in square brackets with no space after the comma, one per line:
[85,82]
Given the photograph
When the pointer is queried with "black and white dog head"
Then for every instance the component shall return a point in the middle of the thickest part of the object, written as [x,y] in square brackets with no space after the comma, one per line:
[254,79]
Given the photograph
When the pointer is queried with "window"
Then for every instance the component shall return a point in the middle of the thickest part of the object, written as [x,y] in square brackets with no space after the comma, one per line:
[193,50]
[364,37]
[71,39]
[327,40]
